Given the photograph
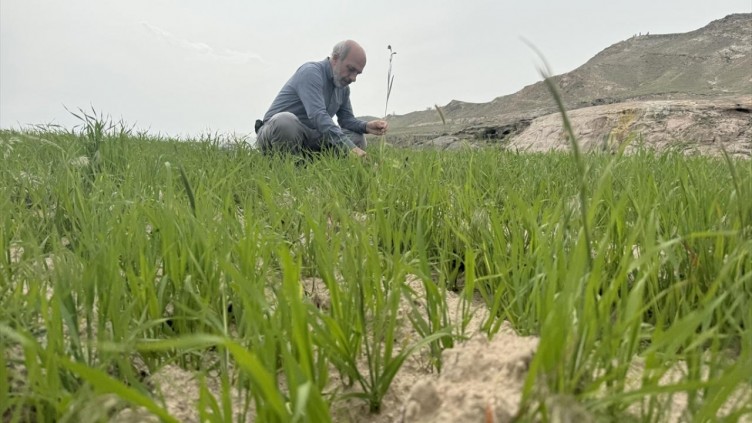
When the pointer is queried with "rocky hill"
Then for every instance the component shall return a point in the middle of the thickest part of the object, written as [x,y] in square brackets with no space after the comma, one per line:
[708,70]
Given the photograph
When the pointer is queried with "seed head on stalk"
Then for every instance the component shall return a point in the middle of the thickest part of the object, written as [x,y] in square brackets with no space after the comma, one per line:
[389,83]
[389,79]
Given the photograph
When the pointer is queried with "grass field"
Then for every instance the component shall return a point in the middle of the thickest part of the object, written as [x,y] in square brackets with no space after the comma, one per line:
[122,254]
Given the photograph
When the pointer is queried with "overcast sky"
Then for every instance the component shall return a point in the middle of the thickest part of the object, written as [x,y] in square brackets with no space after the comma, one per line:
[189,67]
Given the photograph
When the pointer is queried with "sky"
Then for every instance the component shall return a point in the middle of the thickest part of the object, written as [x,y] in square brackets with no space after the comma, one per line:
[186,68]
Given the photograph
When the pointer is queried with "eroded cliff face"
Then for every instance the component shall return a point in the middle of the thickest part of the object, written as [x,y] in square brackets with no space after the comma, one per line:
[692,126]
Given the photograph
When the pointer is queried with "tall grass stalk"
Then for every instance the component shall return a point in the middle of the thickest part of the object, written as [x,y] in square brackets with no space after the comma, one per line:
[389,80]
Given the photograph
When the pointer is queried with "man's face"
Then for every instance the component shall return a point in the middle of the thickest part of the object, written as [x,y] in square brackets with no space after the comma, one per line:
[346,70]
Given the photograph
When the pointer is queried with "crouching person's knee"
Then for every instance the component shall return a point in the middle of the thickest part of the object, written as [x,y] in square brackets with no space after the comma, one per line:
[282,132]
[358,139]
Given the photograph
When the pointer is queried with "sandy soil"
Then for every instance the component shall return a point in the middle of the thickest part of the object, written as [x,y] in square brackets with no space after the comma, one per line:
[468,387]
[489,381]
[481,379]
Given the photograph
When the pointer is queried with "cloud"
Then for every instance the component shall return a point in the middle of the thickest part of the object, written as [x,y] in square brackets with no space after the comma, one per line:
[204,50]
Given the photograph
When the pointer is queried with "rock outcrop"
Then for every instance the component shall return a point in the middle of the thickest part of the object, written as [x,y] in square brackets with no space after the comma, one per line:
[692,126]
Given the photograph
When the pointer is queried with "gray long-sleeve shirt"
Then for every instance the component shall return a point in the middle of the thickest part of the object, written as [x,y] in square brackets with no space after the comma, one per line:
[310,94]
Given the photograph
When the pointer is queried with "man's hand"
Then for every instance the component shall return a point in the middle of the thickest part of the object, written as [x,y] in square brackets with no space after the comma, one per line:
[377,127]
[358,152]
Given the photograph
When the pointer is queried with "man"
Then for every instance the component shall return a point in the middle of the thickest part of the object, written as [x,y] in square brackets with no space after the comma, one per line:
[300,121]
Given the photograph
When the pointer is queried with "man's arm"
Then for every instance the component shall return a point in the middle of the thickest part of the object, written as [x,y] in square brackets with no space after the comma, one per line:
[347,119]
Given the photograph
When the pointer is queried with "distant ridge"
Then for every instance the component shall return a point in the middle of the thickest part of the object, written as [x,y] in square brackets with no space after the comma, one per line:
[710,62]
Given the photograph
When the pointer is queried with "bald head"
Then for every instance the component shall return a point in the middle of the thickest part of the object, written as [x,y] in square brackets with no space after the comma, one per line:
[348,61]
[343,48]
